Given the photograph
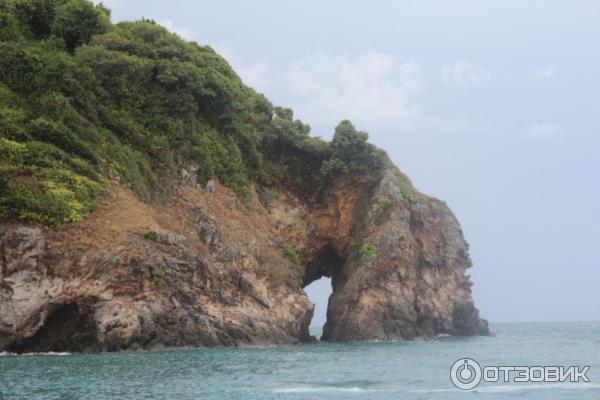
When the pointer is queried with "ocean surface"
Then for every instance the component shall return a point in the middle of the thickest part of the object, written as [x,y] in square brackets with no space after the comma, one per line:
[374,370]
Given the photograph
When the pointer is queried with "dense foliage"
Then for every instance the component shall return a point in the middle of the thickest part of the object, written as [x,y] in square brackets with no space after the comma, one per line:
[83,101]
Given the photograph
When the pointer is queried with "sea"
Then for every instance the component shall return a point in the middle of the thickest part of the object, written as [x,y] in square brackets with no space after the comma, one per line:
[362,370]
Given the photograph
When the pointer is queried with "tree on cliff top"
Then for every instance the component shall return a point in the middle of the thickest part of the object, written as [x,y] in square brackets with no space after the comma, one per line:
[351,152]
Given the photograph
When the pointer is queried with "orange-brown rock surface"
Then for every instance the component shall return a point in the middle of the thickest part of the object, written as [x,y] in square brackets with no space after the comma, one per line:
[214,273]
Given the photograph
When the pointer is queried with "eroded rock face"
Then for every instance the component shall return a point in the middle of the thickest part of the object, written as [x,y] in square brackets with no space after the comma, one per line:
[214,274]
[415,286]
[416,283]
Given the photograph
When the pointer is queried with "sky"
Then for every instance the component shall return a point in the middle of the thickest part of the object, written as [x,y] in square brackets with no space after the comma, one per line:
[492,106]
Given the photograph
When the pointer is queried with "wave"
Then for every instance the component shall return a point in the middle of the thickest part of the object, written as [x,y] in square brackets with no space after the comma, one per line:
[313,389]
[49,353]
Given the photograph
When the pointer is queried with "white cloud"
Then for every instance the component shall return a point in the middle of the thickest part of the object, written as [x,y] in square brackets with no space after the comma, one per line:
[545,130]
[543,73]
[371,89]
[463,73]
[111,4]
[376,91]
[256,74]
[185,33]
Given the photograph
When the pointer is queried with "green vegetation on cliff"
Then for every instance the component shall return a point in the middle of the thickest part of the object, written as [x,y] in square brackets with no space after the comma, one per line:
[84,101]
[290,253]
[366,252]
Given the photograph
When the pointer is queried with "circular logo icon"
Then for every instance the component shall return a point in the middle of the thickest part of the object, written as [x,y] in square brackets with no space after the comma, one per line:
[465,374]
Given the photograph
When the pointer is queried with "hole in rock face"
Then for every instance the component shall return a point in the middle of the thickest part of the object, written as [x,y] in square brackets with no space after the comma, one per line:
[66,328]
[322,277]
[327,264]
[318,292]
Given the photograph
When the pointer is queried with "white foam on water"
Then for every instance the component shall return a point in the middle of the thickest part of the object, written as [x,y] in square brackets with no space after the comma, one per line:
[314,389]
[433,390]
[50,353]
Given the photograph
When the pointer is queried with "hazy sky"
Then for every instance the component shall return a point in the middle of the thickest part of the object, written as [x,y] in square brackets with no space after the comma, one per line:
[492,106]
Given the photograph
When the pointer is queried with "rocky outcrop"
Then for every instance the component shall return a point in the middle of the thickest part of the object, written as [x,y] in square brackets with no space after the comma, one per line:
[415,285]
[205,269]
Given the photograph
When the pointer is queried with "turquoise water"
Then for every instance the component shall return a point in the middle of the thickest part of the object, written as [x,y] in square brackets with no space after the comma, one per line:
[397,370]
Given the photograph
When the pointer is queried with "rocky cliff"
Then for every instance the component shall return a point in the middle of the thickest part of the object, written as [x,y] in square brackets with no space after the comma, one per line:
[203,268]
[114,233]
